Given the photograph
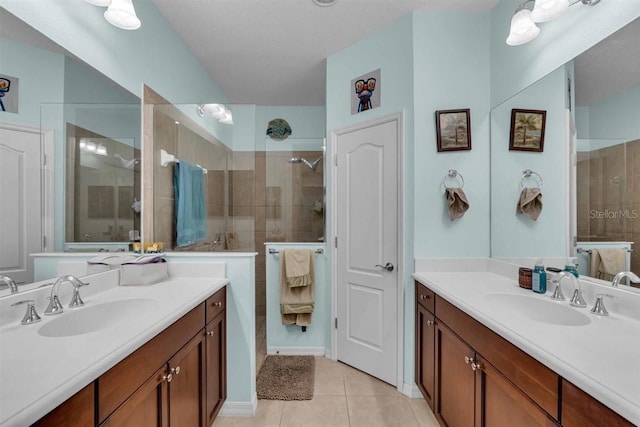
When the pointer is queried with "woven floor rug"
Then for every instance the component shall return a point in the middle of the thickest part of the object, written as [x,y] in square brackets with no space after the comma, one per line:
[286,378]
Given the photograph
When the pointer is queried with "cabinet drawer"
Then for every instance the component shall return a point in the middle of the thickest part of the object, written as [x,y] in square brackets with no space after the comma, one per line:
[537,381]
[119,382]
[216,304]
[425,297]
[581,410]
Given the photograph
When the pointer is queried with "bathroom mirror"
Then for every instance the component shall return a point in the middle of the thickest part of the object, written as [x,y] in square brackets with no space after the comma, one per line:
[602,87]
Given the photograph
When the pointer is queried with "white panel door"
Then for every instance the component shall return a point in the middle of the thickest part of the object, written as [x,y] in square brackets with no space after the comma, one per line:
[21,200]
[367,230]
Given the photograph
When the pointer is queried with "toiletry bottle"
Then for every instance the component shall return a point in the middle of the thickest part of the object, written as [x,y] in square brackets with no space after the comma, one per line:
[539,278]
[571,267]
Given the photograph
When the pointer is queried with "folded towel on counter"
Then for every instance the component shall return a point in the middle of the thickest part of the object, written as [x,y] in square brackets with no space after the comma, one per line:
[457,201]
[296,303]
[299,267]
[606,263]
[191,220]
[530,203]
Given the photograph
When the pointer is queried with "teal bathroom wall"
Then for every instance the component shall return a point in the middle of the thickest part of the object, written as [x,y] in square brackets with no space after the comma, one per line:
[307,125]
[517,235]
[615,117]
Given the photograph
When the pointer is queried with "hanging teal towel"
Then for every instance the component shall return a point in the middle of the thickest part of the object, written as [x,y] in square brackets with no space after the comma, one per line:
[191,220]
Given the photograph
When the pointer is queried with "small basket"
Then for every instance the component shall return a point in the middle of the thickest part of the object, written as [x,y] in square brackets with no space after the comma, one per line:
[524,277]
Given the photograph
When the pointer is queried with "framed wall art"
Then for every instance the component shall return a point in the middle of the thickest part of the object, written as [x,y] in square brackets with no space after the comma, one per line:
[453,130]
[527,130]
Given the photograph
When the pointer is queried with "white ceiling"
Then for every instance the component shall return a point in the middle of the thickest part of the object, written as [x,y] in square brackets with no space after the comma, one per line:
[269,52]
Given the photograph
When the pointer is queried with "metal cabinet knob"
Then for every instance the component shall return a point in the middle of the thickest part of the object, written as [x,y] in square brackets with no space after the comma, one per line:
[218,303]
[210,333]
[175,370]
[430,322]
[167,377]
[476,366]
[468,359]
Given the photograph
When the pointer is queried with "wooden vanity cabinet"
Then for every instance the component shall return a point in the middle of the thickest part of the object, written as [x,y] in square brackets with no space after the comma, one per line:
[581,410]
[77,411]
[216,353]
[425,343]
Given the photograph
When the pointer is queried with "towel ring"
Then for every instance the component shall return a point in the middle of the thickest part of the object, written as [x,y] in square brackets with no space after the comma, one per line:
[528,173]
[452,175]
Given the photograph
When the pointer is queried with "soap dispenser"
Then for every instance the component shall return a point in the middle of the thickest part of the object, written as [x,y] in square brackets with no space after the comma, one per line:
[571,267]
[539,278]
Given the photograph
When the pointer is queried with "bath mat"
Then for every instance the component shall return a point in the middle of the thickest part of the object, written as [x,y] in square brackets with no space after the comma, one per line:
[286,378]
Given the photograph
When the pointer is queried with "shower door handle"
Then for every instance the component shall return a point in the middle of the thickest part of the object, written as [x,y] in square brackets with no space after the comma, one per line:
[388,266]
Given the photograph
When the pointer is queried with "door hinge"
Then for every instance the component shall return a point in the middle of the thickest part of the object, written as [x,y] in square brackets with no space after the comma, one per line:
[44,242]
[335,159]
[336,323]
[335,241]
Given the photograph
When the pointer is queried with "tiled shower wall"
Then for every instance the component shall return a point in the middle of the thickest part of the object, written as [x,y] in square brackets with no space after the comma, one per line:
[608,196]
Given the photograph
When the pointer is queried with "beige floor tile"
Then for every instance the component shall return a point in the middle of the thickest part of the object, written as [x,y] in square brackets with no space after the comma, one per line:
[423,413]
[328,378]
[380,411]
[268,414]
[322,411]
[357,383]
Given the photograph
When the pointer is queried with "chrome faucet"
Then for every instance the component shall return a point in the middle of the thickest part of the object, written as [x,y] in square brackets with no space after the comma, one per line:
[54,303]
[10,283]
[618,278]
[577,300]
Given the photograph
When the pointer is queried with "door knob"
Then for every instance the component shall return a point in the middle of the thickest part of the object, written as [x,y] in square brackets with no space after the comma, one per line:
[388,266]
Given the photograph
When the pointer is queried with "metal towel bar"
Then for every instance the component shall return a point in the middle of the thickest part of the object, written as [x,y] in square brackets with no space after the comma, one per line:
[273,251]
[588,251]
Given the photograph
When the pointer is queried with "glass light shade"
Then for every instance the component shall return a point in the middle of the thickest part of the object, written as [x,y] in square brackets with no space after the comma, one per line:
[523,29]
[228,118]
[83,144]
[546,10]
[101,149]
[122,14]
[101,3]
[91,146]
[215,110]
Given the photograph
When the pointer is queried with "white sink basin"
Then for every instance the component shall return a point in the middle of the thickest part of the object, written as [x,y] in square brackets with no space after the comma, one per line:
[540,309]
[93,317]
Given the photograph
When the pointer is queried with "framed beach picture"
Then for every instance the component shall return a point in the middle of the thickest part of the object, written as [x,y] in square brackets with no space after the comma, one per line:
[527,130]
[453,130]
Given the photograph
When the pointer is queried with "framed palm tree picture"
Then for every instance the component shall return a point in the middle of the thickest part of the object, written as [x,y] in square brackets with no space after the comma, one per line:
[453,130]
[527,130]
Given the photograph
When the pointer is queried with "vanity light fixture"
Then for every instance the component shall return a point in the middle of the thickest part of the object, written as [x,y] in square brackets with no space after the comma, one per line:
[101,149]
[91,146]
[119,13]
[523,23]
[217,111]
[324,3]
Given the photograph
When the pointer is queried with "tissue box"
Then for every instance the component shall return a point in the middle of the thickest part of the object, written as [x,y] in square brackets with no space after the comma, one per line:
[143,274]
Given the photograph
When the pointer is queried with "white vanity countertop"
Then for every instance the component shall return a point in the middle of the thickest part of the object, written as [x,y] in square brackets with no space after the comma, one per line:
[38,373]
[602,357]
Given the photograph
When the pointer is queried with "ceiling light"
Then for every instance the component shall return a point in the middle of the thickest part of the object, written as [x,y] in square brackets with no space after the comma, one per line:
[122,14]
[324,3]
[546,10]
[523,29]
[215,110]
[228,117]
[102,3]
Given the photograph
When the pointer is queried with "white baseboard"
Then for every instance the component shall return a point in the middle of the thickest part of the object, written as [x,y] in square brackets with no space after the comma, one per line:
[239,409]
[412,391]
[297,351]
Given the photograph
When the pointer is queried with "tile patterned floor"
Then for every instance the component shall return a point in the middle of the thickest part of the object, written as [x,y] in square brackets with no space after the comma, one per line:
[343,397]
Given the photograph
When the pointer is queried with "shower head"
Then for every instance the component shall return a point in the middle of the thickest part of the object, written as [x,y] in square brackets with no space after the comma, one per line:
[311,165]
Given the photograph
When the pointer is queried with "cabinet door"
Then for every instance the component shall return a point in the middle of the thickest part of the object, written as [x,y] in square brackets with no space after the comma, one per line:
[77,411]
[216,332]
[455,380]
[581,410]
[148,406]
[186,389]
[425,353]
[499,403]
